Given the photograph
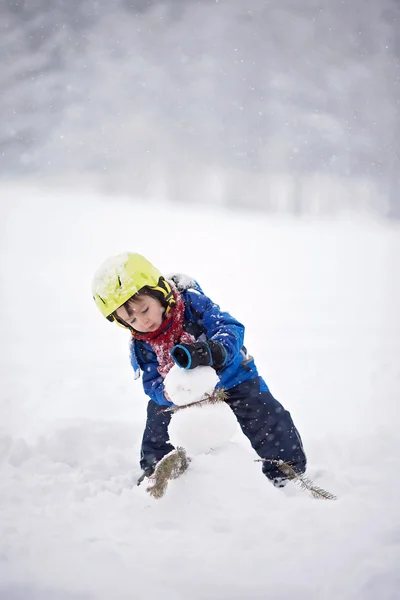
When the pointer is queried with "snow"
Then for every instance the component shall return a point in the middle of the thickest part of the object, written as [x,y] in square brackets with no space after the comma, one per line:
[203,429]
[320,303]
[107,273]
[182,280]
[198,429]
[186,387]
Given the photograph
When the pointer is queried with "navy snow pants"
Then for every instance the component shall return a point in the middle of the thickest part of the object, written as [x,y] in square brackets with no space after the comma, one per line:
[263,420]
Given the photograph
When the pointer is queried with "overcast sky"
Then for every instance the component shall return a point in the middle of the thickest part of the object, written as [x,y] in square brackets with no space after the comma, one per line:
[145,90]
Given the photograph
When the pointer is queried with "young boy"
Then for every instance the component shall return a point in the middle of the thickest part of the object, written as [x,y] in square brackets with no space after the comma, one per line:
[173,322]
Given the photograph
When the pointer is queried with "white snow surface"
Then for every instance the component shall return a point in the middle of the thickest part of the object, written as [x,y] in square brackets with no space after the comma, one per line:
[319,299]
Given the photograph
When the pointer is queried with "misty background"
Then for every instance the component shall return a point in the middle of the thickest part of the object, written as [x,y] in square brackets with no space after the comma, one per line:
[282,105]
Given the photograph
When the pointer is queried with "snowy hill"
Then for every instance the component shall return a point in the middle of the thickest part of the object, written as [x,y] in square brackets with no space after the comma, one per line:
[320,302]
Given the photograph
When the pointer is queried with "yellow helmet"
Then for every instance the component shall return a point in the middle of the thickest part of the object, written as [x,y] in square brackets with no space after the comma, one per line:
[121,277]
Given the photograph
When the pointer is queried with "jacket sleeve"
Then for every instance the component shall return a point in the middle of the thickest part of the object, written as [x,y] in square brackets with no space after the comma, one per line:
[219,326]
[153,383]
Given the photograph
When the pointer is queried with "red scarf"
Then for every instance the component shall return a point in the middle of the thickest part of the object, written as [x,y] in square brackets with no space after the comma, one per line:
[168,335]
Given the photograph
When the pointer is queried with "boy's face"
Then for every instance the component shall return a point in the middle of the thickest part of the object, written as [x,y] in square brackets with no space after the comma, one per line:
[144,313]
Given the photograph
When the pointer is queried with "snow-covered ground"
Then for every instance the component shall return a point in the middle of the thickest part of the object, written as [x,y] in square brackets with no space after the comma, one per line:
[320,300]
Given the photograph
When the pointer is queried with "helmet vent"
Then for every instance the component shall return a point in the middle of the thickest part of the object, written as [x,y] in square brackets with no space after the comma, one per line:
[103,301]
[119,281]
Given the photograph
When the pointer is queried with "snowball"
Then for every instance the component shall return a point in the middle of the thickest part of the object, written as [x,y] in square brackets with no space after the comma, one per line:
[185,387]
[200,429]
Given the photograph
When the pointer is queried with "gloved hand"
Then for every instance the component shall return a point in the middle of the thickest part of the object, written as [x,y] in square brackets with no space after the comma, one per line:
[206,354]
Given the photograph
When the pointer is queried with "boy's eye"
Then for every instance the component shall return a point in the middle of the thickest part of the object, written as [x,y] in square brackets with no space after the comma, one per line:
[145,310]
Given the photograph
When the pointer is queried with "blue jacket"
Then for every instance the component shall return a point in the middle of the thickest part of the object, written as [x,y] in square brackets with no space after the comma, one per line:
[205,320]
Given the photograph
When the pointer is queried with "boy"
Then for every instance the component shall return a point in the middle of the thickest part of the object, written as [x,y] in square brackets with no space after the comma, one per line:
[173,322]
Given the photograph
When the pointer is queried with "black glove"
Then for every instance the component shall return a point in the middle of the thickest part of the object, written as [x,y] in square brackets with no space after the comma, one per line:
[205,354]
